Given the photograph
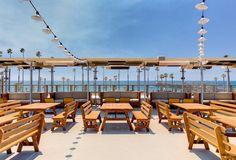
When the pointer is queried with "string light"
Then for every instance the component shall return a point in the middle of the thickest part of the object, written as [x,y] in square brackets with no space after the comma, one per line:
[37,17]
[202,31]
[55,39]
[201,6]
[48,30]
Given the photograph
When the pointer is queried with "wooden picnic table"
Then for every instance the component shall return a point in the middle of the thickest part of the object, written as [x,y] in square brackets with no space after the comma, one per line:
[226,121]
[37,108]
[194,108]
[116,108]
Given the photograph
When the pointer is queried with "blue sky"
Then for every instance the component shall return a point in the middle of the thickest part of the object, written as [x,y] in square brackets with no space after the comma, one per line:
[124,28]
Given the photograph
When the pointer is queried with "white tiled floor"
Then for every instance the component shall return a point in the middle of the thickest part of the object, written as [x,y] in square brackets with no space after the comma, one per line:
[116,142]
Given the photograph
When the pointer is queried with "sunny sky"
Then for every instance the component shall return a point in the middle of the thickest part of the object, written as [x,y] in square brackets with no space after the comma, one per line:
[119,28]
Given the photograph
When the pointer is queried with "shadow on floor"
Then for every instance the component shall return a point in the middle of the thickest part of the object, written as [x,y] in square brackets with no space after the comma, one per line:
[24,155]
[69,125]
[204,154]
[173,131]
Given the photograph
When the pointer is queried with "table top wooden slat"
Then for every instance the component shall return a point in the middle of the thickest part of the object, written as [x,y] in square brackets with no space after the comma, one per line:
[194,106]
[230,121]
[37,106]
[7,119]
[116,106]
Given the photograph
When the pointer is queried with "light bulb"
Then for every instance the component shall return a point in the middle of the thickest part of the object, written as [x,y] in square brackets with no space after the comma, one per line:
[201,45]
[202,31]
[201,52]
[60,45]
[203,21]
[37,17]
[201,6]
[47,30]
[201,49]
[66,51]
[55,39]
[202,39]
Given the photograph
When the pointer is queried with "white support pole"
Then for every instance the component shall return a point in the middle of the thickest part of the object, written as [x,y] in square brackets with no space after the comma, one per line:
[5,79]
[74,70]
[228,79]
[119,80]
[31,83]
[138,78]
[103,77]
[182,78]
[144,76]
[39,80]
[82,78]
[95,84]
[52,78]
[128,79]
[9,80]
[202,83]
[88,82]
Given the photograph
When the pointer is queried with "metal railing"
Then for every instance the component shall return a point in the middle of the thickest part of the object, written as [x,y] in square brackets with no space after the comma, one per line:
[189,88]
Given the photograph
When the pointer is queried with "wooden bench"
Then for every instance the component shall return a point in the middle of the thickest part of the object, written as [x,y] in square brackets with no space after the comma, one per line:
[89,116]
[142,117]
[9,107]
[164,112]
[19,132]
[68,113]
[200,130]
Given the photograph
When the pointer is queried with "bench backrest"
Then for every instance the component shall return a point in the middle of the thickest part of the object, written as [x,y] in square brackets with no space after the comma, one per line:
[146,109]
[224,108]
[201,127]
[110,100]
[224,146]
[163,109]
[68,100]
[70,108]
[124,100]
[86,109]
[19,131]
[9,107]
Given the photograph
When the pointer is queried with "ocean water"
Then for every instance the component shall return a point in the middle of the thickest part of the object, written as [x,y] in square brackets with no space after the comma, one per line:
[190,86]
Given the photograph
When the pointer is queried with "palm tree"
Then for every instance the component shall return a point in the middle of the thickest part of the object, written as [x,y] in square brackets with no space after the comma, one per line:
[162,77]
[38,54]
[223,76]
[63,83]
[22,50]
[165,76]
[9,51]
[172,80]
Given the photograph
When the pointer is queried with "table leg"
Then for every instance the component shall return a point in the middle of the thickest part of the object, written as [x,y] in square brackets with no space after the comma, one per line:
[177,111]
[104,120]
[54,111]
[128,121]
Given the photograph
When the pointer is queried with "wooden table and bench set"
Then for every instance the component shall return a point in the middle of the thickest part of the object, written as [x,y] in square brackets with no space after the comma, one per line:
[91,117]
